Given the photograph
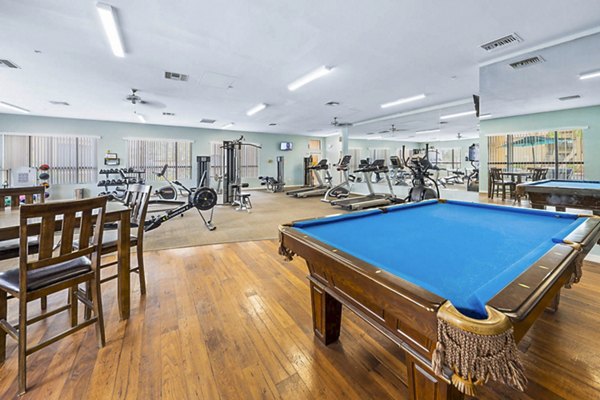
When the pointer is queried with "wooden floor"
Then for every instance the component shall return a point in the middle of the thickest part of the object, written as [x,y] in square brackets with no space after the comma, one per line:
[233,322]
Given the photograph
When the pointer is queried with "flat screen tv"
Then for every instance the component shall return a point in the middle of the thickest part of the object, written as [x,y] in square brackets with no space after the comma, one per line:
[286,146]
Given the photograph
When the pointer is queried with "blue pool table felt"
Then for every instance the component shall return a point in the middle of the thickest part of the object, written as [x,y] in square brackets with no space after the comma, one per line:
[570,184]
[464,252]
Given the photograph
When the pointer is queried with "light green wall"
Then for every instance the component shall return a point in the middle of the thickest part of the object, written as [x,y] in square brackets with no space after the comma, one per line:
[112,134]
[395,148]
[576,117]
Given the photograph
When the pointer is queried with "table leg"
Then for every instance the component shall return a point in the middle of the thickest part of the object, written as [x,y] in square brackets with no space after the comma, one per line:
[327,314]
[123,253]
[553,306]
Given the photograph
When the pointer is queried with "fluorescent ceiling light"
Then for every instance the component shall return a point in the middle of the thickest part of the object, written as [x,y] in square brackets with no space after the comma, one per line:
[311,76]
[427,131]
[457,115]
[255,109]
[141,118]
[484,116]
[229,125]
[13,107]
[109,22]
[403,101]
[589,75]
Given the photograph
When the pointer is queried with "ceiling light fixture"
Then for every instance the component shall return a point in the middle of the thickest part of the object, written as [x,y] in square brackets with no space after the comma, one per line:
[311,76]
[403,101]
[255,109]
[109,22]
[141,118]
[457,115]
[485,116]
[589,75]
[229,125]
[427,131]
[13,107]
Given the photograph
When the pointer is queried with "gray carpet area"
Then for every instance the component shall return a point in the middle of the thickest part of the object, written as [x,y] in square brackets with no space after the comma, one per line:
[268,212]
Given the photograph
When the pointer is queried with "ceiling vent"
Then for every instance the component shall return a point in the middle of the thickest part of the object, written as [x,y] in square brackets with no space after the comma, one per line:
[527,62]
[207,121]
[332,103]
[502,42]
[174,76]
[59,103]
[576,96]
[272,124]
[168,114]
[8,64]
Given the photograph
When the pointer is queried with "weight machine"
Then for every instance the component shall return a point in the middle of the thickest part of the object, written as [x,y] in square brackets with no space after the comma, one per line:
[232,172]
[273,184]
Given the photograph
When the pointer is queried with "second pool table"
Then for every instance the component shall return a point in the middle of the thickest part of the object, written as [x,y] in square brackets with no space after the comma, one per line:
[562,194]
[450,282]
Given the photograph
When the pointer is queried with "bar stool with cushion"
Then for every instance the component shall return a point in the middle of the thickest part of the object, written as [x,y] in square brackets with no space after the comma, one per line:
[10,248]
[136,198]
[52,271]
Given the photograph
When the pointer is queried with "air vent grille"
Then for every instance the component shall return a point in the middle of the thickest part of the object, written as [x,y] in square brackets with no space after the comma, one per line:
[502,42]
[527,62]
[175,76]
[575,96]
[207,121]
[332,103]
[8,64]
[168,114]
[272,124]
[59,103]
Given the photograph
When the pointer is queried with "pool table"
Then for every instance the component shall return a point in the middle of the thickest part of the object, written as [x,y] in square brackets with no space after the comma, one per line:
[562,194]
[447,281]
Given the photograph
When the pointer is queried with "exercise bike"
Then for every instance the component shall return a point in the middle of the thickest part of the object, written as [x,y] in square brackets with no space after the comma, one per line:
[201,198]
[168,192]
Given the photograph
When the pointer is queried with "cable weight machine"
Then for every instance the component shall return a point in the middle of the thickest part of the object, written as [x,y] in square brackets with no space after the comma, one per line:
[232,170]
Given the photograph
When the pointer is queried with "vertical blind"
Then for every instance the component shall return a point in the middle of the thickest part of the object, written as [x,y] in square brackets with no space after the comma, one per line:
[72,159]
[151,155]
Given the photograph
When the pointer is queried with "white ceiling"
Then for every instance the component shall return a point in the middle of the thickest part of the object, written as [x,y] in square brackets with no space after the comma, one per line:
[382,50]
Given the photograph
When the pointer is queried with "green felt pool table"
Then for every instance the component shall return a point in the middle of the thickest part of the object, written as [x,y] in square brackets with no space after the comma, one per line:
[450,282]
[562,194]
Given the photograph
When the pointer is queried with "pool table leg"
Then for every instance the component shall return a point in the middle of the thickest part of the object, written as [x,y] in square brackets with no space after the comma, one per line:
[327,314]
[553,306]
[423,384]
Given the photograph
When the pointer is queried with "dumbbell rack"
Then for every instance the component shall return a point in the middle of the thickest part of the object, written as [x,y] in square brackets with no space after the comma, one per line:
[129,178]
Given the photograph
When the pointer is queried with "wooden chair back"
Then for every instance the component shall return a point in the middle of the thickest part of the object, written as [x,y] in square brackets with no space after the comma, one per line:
[15,195]
[496,174]
[137,199]
[539,174]
[64,217]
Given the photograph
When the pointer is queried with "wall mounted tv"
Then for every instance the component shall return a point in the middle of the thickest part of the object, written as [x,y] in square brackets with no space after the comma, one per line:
[286,146]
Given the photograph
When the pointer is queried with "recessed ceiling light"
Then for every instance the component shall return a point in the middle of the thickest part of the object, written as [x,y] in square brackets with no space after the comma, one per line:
[229,125]
[255,109]
[589,75]
[311,76]
[13,107]
[403,101]
[458,115]
[109,22]
[428,131]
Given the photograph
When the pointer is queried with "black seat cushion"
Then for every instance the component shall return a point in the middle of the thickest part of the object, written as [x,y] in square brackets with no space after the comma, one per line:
[46,276]
[110,239]
[10,248]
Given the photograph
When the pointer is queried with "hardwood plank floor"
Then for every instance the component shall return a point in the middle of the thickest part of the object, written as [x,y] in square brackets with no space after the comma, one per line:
[233,321]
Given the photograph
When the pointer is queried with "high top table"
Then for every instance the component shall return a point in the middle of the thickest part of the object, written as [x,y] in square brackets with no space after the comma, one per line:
[115,212]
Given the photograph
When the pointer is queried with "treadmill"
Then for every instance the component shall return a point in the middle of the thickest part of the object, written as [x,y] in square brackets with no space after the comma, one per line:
[372,199]
[321,165]
[322,188]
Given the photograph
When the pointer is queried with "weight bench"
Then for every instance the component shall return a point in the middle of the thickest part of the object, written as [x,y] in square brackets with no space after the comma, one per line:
[243,202]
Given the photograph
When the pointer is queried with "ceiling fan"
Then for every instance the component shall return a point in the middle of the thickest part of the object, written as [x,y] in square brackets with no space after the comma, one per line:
[335,122]
[392,130]
[135,99]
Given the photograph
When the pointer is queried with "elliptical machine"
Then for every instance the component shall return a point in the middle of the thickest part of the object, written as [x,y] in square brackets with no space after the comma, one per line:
[342,190]
[168,192]
[420,166]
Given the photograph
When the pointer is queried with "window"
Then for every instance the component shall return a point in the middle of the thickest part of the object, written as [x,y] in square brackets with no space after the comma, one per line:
[379,154]
[447,157]
[72,159]
[561,152]
[152,154]
[355,160]
[249,160]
